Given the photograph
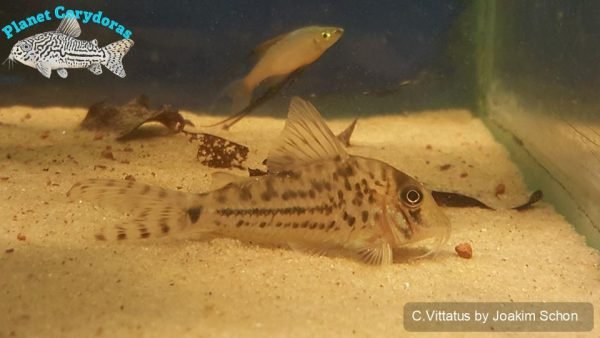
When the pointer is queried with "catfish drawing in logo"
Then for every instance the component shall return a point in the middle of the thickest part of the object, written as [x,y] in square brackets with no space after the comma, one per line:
[59,50]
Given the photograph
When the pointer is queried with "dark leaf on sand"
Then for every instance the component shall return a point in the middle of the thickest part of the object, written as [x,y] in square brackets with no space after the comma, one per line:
[456,200]
[217,152]
[534,198]
[125,119]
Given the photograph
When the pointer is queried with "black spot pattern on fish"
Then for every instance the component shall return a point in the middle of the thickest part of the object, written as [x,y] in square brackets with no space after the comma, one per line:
[194,214]
[270,192]
[365,216]
[164,227]
[245,194]
[416,215]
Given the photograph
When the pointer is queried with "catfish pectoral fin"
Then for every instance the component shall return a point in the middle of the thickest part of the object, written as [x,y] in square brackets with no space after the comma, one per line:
[379,253]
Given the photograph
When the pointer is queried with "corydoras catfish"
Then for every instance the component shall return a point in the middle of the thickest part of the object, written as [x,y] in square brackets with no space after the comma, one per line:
[60,50]
[280,56]
[316,198]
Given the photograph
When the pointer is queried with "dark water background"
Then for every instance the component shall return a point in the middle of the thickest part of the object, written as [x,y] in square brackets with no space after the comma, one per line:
[186,51]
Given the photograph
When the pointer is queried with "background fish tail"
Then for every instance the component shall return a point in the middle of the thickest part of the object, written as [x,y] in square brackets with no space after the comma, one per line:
[114,56]
[155,212]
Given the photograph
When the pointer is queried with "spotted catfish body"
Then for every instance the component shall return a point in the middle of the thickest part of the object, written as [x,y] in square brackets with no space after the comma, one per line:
[317,198]
[60,50]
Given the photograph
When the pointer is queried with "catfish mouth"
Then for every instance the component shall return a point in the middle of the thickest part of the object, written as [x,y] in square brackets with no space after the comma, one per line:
[438,241]
[424,247]
[438,235]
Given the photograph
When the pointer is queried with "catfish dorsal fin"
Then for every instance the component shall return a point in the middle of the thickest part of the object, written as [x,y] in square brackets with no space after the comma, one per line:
[261,49]
[305,139]
[69,26]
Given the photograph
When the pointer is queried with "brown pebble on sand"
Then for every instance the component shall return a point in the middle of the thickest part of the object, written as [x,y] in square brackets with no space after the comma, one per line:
[445,167]
[428,147]
[4,178]
[98,136]
[464,250]
[11,250]
[45,135]
[464,174]
[130,178]
[21,237]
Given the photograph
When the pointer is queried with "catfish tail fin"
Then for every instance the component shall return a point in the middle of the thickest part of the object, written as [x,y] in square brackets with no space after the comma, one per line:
[114,56]
[156,212]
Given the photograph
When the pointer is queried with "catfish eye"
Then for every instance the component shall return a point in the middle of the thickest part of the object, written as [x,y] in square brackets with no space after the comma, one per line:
[326,35]
[25,46]
[411,196]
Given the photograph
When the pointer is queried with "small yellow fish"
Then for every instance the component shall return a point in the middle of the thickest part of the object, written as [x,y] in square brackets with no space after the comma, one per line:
[280,56]
[316,198]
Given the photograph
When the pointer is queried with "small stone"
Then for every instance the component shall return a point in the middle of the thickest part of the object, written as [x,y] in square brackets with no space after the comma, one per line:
[21,237]
[464,250]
